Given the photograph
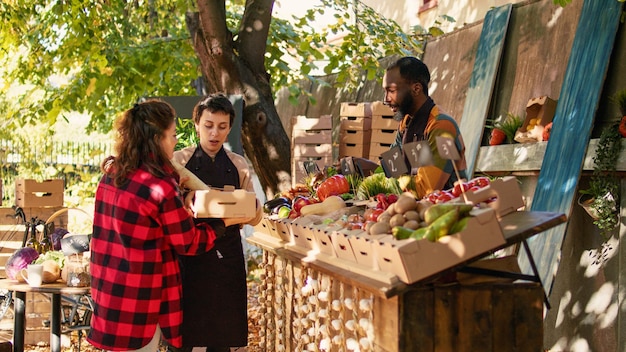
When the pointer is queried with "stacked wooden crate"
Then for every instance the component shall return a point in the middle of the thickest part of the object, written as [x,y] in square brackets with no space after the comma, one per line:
[311,140]
[355,129]
[384,128]
[38,200]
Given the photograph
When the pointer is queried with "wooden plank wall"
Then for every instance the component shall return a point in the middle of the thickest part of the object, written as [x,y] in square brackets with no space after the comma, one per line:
[483,80]
[450,72]
[573,122]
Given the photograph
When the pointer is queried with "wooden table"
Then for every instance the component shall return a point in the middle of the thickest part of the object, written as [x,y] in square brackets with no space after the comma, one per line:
[19,307]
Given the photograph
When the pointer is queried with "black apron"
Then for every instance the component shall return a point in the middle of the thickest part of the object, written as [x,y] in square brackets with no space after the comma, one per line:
[215,311]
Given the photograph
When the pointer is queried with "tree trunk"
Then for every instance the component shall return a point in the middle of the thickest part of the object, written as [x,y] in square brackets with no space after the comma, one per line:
[236,67]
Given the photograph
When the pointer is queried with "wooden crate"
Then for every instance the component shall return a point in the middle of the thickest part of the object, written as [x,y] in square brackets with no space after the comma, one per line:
[32,193]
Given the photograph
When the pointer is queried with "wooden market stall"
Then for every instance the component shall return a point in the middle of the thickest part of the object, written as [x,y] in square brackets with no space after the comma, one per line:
[314,300]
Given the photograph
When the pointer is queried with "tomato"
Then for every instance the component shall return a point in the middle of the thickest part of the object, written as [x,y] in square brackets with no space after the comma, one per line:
[457,191]
[333,186]
[622,126]
[473,189]
[444,196]
[481,182]
[371,214]
[546,131]
[497,137]
[432,197]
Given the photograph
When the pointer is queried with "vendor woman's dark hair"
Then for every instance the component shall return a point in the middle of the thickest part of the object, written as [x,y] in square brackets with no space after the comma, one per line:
[217,102]
[138,140]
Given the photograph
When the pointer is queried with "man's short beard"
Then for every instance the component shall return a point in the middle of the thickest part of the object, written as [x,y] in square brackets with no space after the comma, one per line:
[406,105]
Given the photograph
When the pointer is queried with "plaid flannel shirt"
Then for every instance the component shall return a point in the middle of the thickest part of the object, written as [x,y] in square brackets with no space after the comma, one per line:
[135,277]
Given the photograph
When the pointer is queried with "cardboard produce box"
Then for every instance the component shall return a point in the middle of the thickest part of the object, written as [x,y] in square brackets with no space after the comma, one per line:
[414,260]
[32,193]
[377,149]
[355,123]
[313,150]
[539,112]
[341,243]
[325,242]
[226,203]
[383,136]
[503,194]
[354,149]
[312,136]
[303,233]
[323,122]
[355,136]
[365,252]
[355,110]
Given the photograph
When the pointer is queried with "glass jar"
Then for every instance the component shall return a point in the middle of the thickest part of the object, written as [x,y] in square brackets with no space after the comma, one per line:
[77,268]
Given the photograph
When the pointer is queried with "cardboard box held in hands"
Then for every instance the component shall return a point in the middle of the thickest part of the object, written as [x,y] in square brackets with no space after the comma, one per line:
[225,203]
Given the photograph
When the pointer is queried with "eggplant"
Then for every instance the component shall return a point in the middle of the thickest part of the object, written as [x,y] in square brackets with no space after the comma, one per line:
[274,203]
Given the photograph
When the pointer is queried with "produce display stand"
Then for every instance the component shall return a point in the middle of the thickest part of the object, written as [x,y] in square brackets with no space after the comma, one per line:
[313,302]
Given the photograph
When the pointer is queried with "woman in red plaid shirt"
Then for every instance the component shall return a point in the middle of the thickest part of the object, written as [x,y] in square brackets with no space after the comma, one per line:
[141,222]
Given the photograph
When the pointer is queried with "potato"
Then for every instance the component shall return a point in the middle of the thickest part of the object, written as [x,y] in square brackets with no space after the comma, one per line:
[412,215]
[384,217]
[412,224]
[396,220]
[380,228]
[404,204]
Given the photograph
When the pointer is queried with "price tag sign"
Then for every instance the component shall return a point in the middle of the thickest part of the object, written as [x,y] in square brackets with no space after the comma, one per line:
[447,149]
[347,166]
[310,167]
[74,244]
[418,154]
[393,163]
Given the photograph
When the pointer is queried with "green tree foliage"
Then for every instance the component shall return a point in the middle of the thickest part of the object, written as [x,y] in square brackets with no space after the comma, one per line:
[100,57]
[93,57]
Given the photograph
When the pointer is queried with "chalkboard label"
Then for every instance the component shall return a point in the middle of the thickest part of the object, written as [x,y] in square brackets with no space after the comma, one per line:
[347,166]
[74,244]
[310,167]
[418,154]
[447,149]
[393,163]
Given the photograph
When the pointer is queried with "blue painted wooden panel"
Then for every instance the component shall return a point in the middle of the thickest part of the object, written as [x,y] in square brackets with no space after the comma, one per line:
[482,82]
[573,122]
